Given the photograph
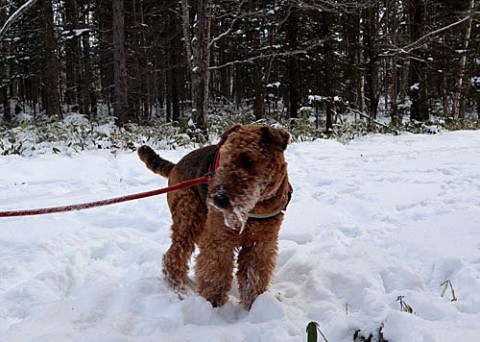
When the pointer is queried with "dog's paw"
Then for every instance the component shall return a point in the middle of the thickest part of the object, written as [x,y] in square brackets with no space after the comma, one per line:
[218,300]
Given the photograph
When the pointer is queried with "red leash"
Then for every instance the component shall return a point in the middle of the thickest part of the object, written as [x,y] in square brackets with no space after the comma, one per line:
[179,186]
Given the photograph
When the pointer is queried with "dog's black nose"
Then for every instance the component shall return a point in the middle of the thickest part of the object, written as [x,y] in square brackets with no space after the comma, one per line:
[220,198]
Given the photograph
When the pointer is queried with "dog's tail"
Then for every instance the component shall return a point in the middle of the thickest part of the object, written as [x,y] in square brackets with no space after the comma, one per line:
[154,162]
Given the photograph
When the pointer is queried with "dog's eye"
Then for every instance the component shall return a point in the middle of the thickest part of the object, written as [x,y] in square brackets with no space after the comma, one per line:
[246,160]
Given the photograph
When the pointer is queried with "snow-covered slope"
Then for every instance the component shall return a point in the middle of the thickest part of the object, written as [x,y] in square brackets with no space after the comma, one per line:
[379,218]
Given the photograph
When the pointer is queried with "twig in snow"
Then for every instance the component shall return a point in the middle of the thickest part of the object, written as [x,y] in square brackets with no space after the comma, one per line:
[446,284]
[404,306]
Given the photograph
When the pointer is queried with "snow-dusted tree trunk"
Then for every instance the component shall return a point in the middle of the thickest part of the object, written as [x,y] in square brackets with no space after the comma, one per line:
[51,71]
[463,62]
[198,54]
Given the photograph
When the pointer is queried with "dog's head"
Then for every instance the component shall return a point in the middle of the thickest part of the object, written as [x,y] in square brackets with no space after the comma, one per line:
[251,169]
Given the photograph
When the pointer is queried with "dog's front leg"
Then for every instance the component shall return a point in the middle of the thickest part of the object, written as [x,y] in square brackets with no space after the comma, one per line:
[214,266]
[256,265]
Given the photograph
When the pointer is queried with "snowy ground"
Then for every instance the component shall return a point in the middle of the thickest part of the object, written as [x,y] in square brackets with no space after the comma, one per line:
[378,218]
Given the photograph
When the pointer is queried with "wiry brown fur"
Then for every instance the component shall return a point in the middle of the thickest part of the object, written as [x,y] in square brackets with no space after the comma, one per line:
[252,175]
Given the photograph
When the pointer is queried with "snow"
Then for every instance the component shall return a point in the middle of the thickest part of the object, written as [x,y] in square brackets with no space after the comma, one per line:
[379,218]
[313,98]
[274,85]
[70,34]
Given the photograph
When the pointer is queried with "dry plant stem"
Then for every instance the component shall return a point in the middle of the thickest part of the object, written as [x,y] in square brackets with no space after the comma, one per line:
[445,285]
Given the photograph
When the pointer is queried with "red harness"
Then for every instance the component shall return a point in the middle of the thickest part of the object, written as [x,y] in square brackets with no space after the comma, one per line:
[213,166]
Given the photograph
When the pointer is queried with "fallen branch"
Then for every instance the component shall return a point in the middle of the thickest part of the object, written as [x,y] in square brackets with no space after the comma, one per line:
[363,115]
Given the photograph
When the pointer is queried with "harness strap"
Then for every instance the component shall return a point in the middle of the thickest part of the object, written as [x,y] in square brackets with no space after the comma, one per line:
[213,166]
[265,216]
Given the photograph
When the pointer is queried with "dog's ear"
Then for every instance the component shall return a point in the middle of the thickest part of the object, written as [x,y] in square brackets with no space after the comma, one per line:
[227,132]
[276,137]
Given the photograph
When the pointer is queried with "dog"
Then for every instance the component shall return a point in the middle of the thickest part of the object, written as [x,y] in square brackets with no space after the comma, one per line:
[239,211]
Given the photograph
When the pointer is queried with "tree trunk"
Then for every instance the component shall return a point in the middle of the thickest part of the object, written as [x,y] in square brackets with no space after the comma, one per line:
[5,95]
[225,77]
[71,51]
[361,60]
[329,85]
[119,64]
[51,70]
[396,116]
[292,66]
[103,17]
[5,72]
[463,62]
[174,72]
[201,59]
[353,42]
[418,73]
[257,84]
[198,54]
[83,81]
[370,49]
[91,96]
[445,66]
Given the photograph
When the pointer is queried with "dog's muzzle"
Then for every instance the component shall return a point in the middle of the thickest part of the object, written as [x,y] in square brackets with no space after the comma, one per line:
[220,197]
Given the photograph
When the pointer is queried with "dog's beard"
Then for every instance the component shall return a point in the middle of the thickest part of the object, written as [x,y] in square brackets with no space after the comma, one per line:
[235,219]
[236,216]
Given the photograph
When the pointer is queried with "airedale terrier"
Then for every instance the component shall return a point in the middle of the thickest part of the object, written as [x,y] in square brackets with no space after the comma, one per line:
[240,210]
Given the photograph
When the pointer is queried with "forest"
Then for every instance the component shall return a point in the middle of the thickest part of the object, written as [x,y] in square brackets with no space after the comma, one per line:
[390,61]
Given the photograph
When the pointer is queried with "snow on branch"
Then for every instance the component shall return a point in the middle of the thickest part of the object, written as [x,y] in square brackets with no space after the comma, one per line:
[225,33]
[18,13]
[418,43]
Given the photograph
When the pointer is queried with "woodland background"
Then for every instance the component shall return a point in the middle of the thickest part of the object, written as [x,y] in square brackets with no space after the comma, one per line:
[138,60]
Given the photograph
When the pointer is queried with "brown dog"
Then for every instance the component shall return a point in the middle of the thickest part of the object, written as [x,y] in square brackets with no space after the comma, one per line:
[240,209]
